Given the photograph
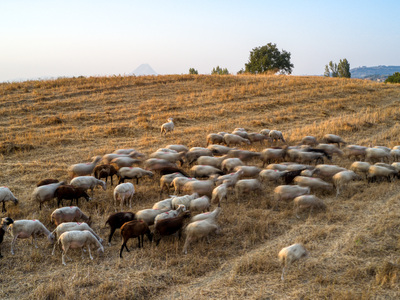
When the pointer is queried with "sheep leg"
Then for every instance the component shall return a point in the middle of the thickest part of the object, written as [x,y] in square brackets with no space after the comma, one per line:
[137,180]
[138,241]
[283,274]
[90,254]
[110,236]
[13,244]
[34,240]
[187,242]
[64,254]
[4,207]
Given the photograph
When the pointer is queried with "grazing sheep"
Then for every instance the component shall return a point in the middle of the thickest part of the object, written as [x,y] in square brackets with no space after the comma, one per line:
[88,182]
[219,149]
[170,214]
[330,149]
[308,201]
[233,139]
[289,176]
[107,158]
[78,239]
[377,154]
[201,171]
[134,229]
[231,178]
[214,138]
[193,155]
[200,204]
[309,140]
[313,183]
[271,175]
[170,226]
[178,148]
[28,228]
[289,192]
[124,151]
[247,186]
[211,161]
[69,214]
[45,193]
[183,200]
[202,187]
[148,215]
[69,192]
[167,127]
[290,254]
[360,167]
[396,165]
[123,192]
[243,155]
[279,167]
[343,178]
[378,172]
[105,171]
[72,226]
[132,173]
[258,137]
[199,229]
[125,161]
[3,227]
[229,164]
[166,180]
[46,181]
[327,171]
[156,164]
[333,139]
[241,133]
[83,169]
[211,216]
[116,220]
[265,132]
[355,151]
[268,155]
[171,157]
[395,154]
[179,182]
[276,135]
[6,195]
[312,155]
[248,171]
[164,204]
[220,192]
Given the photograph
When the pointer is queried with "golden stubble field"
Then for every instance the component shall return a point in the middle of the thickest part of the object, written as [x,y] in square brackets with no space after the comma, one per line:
[354,246]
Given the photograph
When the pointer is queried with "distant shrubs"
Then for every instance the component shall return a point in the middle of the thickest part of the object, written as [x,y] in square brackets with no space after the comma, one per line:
[193,71]
[395,78]
[219,71]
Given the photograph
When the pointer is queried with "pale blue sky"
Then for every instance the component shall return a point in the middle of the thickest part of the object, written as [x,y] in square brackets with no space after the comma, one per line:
[77,37]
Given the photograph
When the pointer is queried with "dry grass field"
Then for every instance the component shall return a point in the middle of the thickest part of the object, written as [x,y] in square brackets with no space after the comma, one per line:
[354,246]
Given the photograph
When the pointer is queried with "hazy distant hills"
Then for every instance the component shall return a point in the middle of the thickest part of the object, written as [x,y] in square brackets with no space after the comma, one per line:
[374,73]
[144,69]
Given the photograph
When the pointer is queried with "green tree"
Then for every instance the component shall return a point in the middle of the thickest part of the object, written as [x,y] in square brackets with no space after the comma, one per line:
[219,71]
[327,73]
[268,58]
[193,71]
[344,68]
[395,78]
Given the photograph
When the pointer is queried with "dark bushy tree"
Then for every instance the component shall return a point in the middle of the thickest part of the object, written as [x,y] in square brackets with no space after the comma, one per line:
[395,78]
[219,71]
[193,71]
[268,58]
[338,70]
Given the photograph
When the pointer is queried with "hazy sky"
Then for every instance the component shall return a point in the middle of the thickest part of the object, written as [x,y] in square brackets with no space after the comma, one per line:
[76,37]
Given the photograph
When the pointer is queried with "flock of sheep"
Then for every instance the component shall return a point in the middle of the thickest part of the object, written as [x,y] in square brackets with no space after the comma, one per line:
[221,171]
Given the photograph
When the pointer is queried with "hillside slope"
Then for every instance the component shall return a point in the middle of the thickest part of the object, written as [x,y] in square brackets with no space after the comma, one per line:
[354,245]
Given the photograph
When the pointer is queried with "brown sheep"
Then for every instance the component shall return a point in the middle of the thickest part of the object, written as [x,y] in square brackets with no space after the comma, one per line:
[117,220]
[105,171]
[170,226]
[134,229]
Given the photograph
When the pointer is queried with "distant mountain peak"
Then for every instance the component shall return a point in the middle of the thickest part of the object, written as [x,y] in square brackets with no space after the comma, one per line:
[144,69]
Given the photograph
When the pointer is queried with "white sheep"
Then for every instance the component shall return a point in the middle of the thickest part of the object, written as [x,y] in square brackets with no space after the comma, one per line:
[211,161]
[168,156]
[327,171]
[166,180]
[379,172]
[167,127]
[83,169]
[170,214]
[377,154]
[45,193]
[132,173]
[330,149]
[232,178]
[268,155]
[125,161]
[201,171]
[7,195]
[212,216]
[179,182]
[271,175]
[214,138]
[313,183]
[193,154]
[342,178]
[78,239]
[333,139]
[71,226]
[124,193]
[183,200]
[247,186]
[309,140]
[355,151]
[290,254]
[148,215]
[396,165]
[360,167]
[233,139]
[23,229]
[178,148]
[197,230]
[107,158]
[307,201]
[276,135]
[265,132]
[258,137]
[219,149]
[248,171]
[88,182]
[124,151]
[279,167]
[199,204]
[69,214]
[289,192]
[229,164]
[395,154]
[164,204]
[202,187]
[220,192]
